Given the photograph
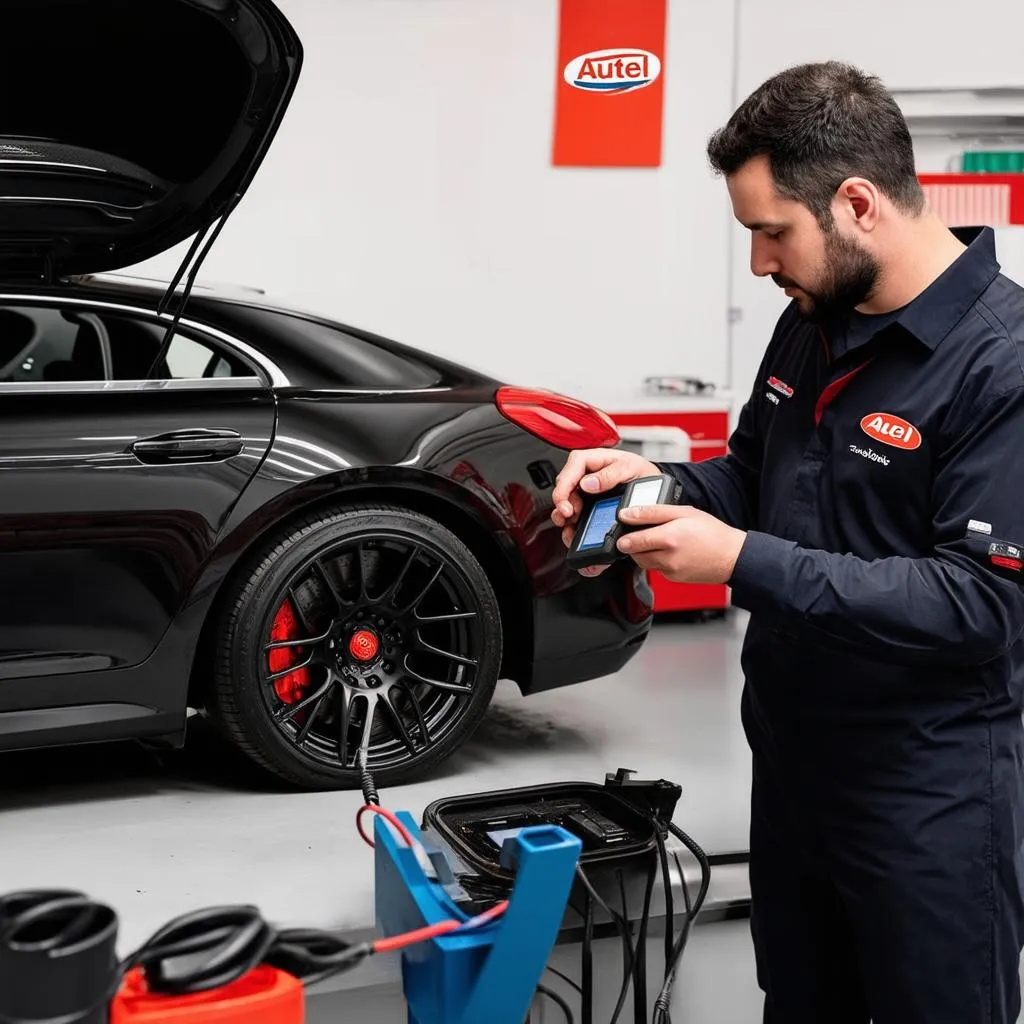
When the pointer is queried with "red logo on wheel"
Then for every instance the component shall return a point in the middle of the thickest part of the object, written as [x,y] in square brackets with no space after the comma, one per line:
[364,645]
[893,430]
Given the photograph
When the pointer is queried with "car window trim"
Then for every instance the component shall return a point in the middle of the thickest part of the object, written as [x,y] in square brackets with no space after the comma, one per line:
[82,387]
[275,377]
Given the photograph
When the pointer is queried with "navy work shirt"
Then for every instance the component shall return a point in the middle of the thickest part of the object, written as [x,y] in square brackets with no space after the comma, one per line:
[880,476]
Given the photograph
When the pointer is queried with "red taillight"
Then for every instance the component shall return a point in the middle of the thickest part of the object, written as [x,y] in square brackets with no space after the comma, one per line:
[562,421]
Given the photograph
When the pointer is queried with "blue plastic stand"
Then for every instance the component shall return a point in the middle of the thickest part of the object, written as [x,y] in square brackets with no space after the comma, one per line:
[488,974]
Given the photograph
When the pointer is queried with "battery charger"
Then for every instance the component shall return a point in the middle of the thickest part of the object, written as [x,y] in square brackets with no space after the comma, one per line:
[614,822]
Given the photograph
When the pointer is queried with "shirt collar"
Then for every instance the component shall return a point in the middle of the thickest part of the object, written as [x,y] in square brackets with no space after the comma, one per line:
[942,305]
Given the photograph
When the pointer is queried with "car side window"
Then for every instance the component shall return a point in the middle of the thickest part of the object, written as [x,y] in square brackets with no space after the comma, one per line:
[135,346]
[42,344]
[39,344]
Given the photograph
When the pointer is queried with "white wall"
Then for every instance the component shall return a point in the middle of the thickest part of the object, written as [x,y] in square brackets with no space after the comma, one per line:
[410,191]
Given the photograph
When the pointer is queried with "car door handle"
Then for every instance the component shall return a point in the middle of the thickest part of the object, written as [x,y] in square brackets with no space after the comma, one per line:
[188,446]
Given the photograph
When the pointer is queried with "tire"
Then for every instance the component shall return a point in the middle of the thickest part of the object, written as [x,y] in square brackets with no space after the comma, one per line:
[426,669]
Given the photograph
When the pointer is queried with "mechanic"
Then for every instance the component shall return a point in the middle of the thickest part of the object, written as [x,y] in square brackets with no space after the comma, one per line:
[870,516]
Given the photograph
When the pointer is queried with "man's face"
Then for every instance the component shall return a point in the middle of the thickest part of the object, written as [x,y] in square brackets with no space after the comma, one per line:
[826,272]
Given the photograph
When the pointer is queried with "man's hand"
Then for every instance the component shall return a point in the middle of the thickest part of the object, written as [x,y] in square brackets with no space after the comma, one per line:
[681,542]
[594,470]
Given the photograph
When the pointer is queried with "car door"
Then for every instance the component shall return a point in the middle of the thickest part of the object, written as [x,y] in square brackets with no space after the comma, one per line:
[114,482]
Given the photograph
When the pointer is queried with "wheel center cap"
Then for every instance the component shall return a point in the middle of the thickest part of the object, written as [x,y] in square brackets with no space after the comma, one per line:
[364,645]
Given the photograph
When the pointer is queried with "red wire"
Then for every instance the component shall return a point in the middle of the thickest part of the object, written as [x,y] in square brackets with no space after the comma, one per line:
[387,816]
[419,935]
[394,942]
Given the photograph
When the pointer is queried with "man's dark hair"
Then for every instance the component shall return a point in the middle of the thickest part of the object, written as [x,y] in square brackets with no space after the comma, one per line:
[819,124]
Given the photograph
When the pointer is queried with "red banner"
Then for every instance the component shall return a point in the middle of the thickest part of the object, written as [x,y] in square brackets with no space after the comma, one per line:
[610,85]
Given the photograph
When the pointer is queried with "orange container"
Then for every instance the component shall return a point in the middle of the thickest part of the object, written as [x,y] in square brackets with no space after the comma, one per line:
[263,996]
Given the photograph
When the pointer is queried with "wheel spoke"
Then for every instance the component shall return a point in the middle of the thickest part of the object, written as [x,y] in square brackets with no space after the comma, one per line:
[340,603]
[438,684]
[414,603]
[453,617]
[299,643]
[300,616]
[371,710]
[317,708]
[397,723]
[305,663]
[421,722]
[289,711]
[363,574]
[344,721]
[451,655]
[388,596]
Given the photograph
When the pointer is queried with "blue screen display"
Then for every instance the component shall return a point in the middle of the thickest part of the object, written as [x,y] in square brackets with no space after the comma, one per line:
[602,519]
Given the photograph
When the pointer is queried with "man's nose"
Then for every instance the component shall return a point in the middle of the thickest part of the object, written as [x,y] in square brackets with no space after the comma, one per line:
[762,263]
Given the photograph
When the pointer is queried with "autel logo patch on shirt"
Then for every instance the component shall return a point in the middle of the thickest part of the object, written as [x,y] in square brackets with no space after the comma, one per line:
[781,386]
[889,429]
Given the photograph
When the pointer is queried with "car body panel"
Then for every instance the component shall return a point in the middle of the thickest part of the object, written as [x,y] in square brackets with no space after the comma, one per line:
[444,449]
[99,549]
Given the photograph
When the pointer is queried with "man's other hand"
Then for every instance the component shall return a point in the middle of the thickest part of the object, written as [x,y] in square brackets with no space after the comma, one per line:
[683,543]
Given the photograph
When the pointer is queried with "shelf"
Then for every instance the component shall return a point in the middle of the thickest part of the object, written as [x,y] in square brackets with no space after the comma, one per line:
[992,115]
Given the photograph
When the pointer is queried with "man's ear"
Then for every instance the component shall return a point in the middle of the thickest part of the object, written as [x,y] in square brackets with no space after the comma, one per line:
[858,202]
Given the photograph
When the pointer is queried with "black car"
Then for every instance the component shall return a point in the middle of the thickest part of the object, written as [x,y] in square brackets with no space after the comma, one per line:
[325,540]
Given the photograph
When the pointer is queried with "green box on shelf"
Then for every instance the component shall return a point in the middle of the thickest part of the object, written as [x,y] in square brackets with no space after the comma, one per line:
[994,161]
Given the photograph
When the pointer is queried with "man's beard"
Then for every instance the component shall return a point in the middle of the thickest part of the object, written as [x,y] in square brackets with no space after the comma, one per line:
[850,278]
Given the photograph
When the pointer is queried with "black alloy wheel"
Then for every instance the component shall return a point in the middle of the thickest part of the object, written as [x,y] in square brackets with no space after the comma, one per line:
[370,630]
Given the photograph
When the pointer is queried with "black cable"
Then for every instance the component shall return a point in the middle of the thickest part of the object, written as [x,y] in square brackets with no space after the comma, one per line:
[628,955]
[640,975]
[587,964]
[565,977]
[219,945]
[661,1005]
[558,1001]
[623,929]
[366,782]
[666,882]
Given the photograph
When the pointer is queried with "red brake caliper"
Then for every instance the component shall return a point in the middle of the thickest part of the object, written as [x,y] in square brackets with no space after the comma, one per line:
[290,688]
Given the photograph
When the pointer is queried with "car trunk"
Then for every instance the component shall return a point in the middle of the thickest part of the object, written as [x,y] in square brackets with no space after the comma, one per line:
[129,124]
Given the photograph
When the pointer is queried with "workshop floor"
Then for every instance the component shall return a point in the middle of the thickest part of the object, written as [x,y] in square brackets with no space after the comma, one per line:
[158,835]
[155,835]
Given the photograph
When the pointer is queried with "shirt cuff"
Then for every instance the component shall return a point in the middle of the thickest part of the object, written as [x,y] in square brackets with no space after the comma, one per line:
[760,579]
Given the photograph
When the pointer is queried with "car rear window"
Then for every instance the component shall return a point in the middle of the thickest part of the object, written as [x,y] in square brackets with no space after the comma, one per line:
[355,362]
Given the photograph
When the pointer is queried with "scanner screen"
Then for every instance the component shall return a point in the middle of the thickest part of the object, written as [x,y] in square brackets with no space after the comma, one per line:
[602,519]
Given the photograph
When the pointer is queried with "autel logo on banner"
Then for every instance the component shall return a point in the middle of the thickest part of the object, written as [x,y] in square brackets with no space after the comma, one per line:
[613,71]
[609,97]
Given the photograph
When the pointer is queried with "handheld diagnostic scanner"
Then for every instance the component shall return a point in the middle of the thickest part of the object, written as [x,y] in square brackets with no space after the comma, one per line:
[598,529]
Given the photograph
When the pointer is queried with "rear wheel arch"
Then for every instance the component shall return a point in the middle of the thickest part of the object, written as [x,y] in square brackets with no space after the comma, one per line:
[508,579]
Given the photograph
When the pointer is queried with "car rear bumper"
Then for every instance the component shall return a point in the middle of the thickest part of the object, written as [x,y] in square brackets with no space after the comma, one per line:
[589,629]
